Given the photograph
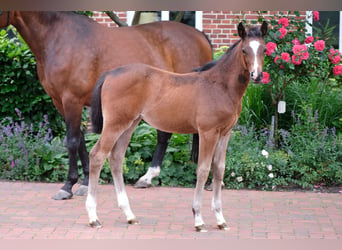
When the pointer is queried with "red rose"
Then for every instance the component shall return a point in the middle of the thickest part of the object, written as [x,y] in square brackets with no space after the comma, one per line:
[276,59]
[319,45]
[270,48]
[265,77]
[316,16]
[335,52]
[309,39]
[296,60]
[296,41]
[300,51]
[283,32]
[285,56]
[283,21]
[337,70]
[336,60]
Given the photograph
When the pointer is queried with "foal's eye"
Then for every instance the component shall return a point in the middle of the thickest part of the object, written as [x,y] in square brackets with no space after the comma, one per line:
[244,51]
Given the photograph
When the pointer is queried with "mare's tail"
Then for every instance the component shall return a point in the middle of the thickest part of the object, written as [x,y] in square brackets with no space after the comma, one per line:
[96,106]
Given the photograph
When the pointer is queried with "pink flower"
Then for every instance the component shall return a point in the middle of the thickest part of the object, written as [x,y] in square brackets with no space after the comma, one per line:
[309,39]
[334,56]
[301,51]
[285,56]
[336,60]
[270,48]
[276,59]
[316,16]
[283,32]
[337,70]
[296,60]
[296,41]
[265,77]
[319,45]
[283,21]
[335,52]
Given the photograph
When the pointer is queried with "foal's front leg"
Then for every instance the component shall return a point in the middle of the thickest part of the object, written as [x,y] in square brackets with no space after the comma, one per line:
[207,145]
[218,173]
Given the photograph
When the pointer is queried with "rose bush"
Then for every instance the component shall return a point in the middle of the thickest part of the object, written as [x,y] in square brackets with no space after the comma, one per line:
[294,55]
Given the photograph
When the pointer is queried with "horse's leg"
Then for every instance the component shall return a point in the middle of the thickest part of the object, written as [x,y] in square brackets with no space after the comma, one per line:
[97,156]
[218,173]
[116,160]
[72,116]
[207,145]
[194,150]
[154,170]
[84,157]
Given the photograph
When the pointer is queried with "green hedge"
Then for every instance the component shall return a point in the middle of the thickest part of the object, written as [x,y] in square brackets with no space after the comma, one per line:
[20,87]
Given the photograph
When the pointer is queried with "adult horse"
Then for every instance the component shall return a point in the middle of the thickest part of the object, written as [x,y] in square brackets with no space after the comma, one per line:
[72,51]
[208,102]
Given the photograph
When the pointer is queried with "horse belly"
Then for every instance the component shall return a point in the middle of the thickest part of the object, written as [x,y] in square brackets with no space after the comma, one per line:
[168,124]
[172,117]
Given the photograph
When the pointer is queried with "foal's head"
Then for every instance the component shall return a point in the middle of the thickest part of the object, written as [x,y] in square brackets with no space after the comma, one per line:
[253,49]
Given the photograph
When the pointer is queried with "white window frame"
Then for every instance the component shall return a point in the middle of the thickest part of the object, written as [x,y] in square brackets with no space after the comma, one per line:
[165,16]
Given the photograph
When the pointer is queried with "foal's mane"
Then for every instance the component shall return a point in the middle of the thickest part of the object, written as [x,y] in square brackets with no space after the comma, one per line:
[211,64]
[253,32]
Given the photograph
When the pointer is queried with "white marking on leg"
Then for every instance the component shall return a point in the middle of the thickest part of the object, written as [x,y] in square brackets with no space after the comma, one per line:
[123,203]
[151,173]
[255,46]
[91,208]
[217,208]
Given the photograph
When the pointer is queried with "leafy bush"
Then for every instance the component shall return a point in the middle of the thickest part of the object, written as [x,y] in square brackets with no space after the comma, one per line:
[20,87]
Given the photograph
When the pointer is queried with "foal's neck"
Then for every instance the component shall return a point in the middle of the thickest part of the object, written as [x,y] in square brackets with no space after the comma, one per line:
[231,73]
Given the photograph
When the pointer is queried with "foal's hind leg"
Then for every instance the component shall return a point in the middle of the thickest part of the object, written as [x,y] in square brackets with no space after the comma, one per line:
[218,172]
[98,155]
[207,145]
[154,170]
[116,160]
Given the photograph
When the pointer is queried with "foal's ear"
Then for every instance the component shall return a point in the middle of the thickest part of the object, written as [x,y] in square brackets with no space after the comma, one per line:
[241,30]
[264,28]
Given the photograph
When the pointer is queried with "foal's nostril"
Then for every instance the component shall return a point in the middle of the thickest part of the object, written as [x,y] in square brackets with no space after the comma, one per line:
[259,78]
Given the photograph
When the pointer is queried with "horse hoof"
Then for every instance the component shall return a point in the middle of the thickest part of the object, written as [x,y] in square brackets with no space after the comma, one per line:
[223,227]
[95,224]
[201,229]
[82,190]
[133,222]
[142,184]
[62,195]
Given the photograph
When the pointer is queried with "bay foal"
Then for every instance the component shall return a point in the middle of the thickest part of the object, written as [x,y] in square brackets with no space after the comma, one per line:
[207,102]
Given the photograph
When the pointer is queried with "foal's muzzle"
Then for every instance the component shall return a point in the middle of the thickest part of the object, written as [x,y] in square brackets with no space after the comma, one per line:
[256,78]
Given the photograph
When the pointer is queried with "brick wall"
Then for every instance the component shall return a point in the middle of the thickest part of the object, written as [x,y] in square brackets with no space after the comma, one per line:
[220,26]
[105,20]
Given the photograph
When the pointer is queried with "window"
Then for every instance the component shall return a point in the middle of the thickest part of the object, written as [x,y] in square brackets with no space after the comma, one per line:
[192,18]
[324,27]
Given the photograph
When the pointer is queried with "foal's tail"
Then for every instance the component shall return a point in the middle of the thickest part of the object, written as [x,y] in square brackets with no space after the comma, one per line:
[96,106]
